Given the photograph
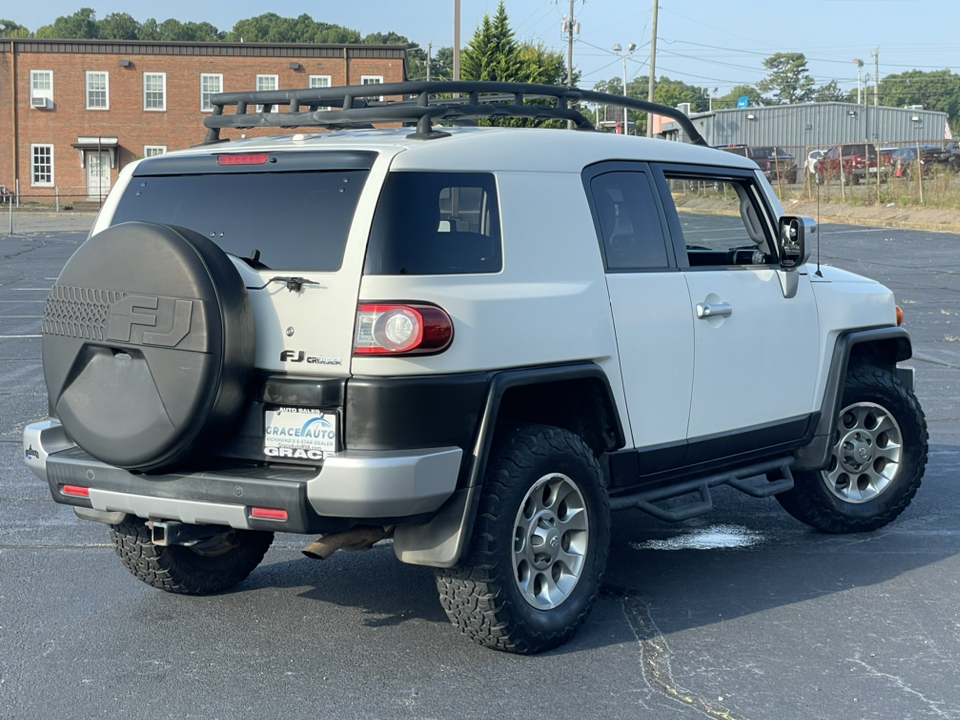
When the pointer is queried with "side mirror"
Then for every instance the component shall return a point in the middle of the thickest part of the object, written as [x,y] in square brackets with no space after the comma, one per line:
[792,240]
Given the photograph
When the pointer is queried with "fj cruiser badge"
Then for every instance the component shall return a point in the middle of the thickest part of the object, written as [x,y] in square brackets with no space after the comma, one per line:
[300,356]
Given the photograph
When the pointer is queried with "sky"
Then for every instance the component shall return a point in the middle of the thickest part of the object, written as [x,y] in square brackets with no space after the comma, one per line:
[715,44]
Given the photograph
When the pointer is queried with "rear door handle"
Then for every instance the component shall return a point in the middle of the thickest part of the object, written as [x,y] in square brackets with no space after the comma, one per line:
[709,310]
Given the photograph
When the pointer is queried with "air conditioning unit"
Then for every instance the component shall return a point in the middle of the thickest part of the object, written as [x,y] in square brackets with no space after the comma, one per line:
[41,103]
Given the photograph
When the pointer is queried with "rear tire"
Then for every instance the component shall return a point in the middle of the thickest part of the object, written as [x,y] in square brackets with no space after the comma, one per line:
[209,567]
[877,461]
[539,544]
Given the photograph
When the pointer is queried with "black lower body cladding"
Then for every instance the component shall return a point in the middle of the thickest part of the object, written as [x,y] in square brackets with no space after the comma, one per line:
[148,344]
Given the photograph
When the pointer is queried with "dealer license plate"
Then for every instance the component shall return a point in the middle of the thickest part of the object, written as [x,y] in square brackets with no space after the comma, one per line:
[299,434]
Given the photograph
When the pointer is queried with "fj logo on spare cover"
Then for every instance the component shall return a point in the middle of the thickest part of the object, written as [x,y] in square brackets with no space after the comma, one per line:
[170,316]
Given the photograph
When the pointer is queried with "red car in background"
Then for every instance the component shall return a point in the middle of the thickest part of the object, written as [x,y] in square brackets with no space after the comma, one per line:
[851,163]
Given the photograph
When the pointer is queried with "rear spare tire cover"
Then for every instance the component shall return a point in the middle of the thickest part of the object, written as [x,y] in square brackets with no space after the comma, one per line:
[148,343]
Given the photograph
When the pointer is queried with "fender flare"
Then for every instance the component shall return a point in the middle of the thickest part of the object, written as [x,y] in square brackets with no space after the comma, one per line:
[442,540]
[895,344]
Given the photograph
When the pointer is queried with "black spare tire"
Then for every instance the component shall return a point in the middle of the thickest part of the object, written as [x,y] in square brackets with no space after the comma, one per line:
[148,343]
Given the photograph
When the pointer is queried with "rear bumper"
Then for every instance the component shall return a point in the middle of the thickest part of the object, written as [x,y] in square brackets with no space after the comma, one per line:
[354,486]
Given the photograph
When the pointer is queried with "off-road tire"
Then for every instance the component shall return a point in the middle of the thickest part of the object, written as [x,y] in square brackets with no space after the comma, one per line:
[812,502]
[482,596]
[183,570]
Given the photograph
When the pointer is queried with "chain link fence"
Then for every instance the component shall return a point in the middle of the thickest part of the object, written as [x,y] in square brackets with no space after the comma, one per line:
[802,172]
[56,211]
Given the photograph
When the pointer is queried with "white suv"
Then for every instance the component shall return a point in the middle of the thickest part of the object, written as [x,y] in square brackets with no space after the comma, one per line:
[475,340]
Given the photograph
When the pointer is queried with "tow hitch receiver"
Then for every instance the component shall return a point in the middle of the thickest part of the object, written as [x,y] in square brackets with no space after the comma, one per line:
[168,532]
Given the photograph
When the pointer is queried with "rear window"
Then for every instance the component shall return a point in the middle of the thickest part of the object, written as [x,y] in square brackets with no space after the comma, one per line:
[296,220]
[859,149]
[435,224]
[769,152]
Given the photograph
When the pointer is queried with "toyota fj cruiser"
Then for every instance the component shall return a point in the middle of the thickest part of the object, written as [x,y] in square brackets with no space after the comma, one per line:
[475,340]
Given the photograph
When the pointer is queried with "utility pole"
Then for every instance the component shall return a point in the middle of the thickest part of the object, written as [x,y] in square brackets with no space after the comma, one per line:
[571,28]
[570,47]
[653,67]
[456,39]
[617,49]
[876,77]
[429,51]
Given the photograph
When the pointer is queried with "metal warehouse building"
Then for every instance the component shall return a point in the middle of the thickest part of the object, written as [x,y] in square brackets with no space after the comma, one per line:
[816,125]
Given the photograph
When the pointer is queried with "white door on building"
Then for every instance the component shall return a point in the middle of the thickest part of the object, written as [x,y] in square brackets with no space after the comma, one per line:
[98,174]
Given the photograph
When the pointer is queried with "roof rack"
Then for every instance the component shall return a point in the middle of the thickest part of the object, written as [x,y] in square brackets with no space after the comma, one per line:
[444,101]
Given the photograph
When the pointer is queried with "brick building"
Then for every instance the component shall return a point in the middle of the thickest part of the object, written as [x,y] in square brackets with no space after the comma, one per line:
[74,112]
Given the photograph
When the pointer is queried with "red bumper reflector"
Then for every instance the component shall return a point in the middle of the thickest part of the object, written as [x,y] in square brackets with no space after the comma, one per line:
[268,514]
[255,159]
[75,491]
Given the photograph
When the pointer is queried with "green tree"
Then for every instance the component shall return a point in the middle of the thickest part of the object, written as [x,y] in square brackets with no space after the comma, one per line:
[119,26]
[674,92]
[10,29]
[830,92]
[493,53]
[150,30]
[204,32]
[172,30]
[82,24]
[935,90]
[665,92]
[541,65]
[441,65]
[270,27]
[725,102]
[788,79]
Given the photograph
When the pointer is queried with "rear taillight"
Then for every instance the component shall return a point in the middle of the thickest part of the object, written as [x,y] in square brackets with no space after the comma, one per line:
[388,329]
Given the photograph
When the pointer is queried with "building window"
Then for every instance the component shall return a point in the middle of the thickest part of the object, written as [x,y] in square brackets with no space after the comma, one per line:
[209,85]
[41,165]
[266,82]
[153,150]
[372,80]
[154,91]
[98,91]
[321,81]
[41,85]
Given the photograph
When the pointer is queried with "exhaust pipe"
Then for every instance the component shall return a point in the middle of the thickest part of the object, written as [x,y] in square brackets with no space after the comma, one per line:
[357,539]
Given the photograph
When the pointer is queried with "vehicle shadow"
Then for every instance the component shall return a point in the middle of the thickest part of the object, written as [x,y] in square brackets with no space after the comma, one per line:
[746,557]
[375,582]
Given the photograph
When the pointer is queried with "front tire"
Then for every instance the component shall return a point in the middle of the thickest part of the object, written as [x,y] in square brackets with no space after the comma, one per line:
[211,566]
[877,461]
[539,545]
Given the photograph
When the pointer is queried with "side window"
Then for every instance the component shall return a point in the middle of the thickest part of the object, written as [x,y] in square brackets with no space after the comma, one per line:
[435,224]
[631,234]
[720,220]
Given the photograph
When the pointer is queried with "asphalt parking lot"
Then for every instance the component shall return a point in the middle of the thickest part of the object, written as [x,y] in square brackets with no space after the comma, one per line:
[744,613]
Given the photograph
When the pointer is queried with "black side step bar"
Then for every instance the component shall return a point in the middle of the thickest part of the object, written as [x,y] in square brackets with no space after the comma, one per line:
[778,479]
